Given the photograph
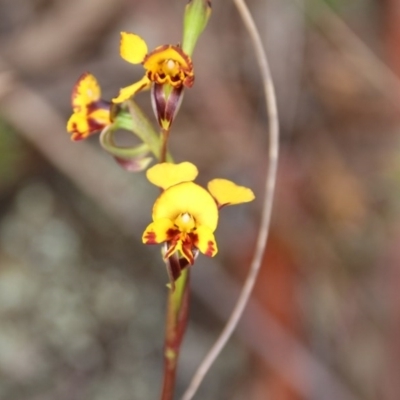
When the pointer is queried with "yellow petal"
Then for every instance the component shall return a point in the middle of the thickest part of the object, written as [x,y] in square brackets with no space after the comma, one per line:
[129,91]
[101,116]
[72,122]
[206,241]
[228,193]
[132,48]
[165,175]
[158,231]
[86,91]
[187,197]
[78,126]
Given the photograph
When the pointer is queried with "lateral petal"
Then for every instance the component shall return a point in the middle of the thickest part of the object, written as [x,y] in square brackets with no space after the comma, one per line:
[129,91]
[78,126]
[86,90]
[205,241]
[159,231]
[132,48]
[228,193]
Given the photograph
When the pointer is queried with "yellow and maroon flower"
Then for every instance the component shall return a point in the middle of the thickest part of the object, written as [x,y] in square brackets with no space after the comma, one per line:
[185,215]
[166,64]
[90,113]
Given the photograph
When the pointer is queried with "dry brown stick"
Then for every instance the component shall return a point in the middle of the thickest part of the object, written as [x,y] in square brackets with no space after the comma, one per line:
[270,180]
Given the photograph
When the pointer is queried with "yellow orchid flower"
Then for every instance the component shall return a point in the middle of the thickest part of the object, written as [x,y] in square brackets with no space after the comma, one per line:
[90,113]
[166,64]
[185,215]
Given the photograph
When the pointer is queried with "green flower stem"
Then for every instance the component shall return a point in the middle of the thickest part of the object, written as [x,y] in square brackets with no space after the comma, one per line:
[107,141]
[177,316]
[164,144]
[137,122]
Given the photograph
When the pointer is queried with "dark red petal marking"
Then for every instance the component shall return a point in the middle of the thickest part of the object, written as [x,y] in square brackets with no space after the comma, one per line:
[210,249]
[187,246]
[187,251]
[94,126]
[171,249]
[173,234]
[150,238]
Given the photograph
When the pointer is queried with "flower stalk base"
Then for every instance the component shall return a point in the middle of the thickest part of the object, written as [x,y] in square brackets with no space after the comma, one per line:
[177,316]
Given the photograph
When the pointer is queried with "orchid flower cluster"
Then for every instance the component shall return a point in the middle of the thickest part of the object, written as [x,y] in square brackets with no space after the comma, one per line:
[185,215]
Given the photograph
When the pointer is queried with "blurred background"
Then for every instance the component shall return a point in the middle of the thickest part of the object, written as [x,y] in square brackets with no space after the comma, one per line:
[82,301]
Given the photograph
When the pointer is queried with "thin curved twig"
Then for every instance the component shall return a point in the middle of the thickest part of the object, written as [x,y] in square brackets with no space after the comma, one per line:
[267,208]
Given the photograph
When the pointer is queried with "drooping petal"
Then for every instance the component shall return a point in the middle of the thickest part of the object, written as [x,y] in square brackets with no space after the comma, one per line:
[129,91]
[174,268]
[187,197]
[134,164]
[205,241]
[183,247]
[186,249]
[165,175]
[165,106]
[173,247]
[159,231]
[132,48]
[228,193]
[86,90]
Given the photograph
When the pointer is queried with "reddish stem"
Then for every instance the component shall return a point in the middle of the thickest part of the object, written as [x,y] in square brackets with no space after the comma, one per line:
[177,316]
